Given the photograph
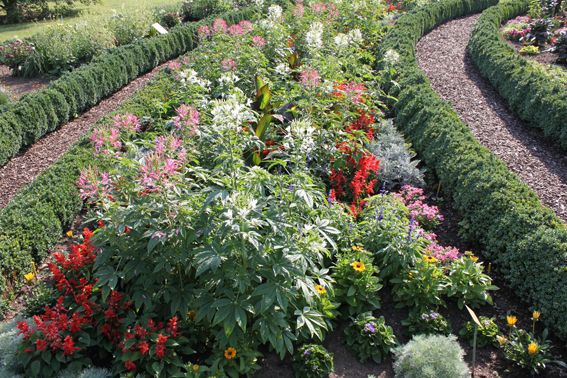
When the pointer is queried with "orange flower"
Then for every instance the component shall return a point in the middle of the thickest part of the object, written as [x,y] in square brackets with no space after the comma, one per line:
[511,320]
[358,266]
[230,353]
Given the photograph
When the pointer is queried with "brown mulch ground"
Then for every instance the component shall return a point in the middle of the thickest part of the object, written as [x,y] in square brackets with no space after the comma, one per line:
[17,86]
[442,56]
[28,164]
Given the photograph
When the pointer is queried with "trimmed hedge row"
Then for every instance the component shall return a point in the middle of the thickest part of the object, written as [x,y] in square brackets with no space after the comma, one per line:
[35,219]
[531,94]
[525,240]
[38,113]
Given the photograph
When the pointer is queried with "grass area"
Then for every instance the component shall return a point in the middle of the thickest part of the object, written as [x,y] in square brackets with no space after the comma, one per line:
[7,32]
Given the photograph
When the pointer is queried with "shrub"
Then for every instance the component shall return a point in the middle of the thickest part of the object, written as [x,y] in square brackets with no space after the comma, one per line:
[529,50]
[432,356]
[560,47]
[41,295]
[312,361]
[369,337]
[426,323]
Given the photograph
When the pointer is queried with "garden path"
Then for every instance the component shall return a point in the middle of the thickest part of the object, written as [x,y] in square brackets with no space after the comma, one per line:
[26,166]
[442,56]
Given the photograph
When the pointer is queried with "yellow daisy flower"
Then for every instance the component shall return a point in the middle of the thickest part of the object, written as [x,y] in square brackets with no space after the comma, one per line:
[29,276]
[230,353]
[358,266]
[533,347]
[320,289]
[429,259]
[511,320]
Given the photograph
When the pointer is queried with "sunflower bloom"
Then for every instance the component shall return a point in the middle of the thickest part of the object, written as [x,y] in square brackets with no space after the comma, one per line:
[511,320]
[358,266]
[533,347]
[230,353]
[320,289]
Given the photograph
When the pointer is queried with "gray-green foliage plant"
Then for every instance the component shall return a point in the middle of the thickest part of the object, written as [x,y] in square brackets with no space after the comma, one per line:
[9,343]
[395,155]
[432,356]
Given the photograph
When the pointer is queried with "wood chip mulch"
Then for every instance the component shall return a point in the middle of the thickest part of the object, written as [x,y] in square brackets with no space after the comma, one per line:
[28,164]
[442,56]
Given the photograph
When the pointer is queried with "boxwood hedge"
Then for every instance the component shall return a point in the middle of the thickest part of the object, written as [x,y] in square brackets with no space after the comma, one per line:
[525,240]
[531,94]
[35,219]
[38,113]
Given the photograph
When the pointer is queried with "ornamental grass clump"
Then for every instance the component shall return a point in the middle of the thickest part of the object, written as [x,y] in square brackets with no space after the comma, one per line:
[312,361]
[432,356]
[369,337]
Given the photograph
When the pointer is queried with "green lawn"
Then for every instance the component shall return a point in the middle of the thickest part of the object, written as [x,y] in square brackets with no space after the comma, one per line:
[24,30]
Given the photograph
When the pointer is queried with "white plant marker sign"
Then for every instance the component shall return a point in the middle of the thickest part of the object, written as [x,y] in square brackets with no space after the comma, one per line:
[159,28]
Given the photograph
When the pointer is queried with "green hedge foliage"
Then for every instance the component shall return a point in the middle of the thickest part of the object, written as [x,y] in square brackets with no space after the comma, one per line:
[531,94]
[36,114]
[525,240]
[35,219]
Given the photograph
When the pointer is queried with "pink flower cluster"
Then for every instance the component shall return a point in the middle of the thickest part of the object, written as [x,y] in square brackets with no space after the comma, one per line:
[174,66]
[516,35]
[309,77]
[299,10]
[166,160]
[258,41]
[93,184]
[106,139]
[229,65]
[220,26]
[187,118]
[413,199]
[322,7]
[443,253]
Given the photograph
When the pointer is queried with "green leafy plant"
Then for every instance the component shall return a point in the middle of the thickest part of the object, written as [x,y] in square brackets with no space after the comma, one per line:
[312,361]
[432,356]
[41,295]
[560,47]
[467,283]
[427,323]
[369,337]
[530,50]
[486,335]
[356,281]
[539,31]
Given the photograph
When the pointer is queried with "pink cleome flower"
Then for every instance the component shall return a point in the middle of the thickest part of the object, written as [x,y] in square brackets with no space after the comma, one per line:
[258,41]
[309,77]
[219,26]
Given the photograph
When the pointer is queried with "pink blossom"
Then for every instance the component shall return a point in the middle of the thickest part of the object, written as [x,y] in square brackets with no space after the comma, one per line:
[258,41]
[187,116]
[229,64]
[204,31]
[246,26]
[128,122]
[174,66]
[309,77]
[235,30]
[105,136]
[355,92]
[219,26]
[442,253]
[317,8]
[93,184]
[299,10]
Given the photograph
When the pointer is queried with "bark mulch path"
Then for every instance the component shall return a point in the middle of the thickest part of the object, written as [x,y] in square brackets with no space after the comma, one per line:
[442,56]
[26,166]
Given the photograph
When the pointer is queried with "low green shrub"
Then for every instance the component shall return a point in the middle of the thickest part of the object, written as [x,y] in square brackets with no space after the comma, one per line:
[486,334]
[312,361]
[426,323]
[432,356]
[531,94]
[525,240]
[369,337]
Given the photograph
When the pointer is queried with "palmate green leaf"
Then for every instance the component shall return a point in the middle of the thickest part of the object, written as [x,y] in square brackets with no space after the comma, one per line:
[207,260]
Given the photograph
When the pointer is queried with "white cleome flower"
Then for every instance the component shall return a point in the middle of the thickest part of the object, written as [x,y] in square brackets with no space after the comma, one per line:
[275,13]
[342,40]
[391,57]
[355,36]
[314,36]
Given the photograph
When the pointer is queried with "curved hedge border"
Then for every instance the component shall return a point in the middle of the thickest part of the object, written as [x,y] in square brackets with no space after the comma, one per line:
[530,93]
[33,222]
[526,241]
[38,113]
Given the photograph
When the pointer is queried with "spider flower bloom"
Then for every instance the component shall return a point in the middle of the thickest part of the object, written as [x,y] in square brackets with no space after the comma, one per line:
[204,31]
[533,347]
[235,30]
[358,266]
[258,41]
[246,26]
[310,78]
[230,353]
[219,26]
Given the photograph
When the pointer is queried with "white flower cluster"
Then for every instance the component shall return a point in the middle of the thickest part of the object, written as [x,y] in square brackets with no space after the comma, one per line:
[189,77]
[300,137]
[314,36]
[231,113]
[391,57]
[345,40]
[275,13]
